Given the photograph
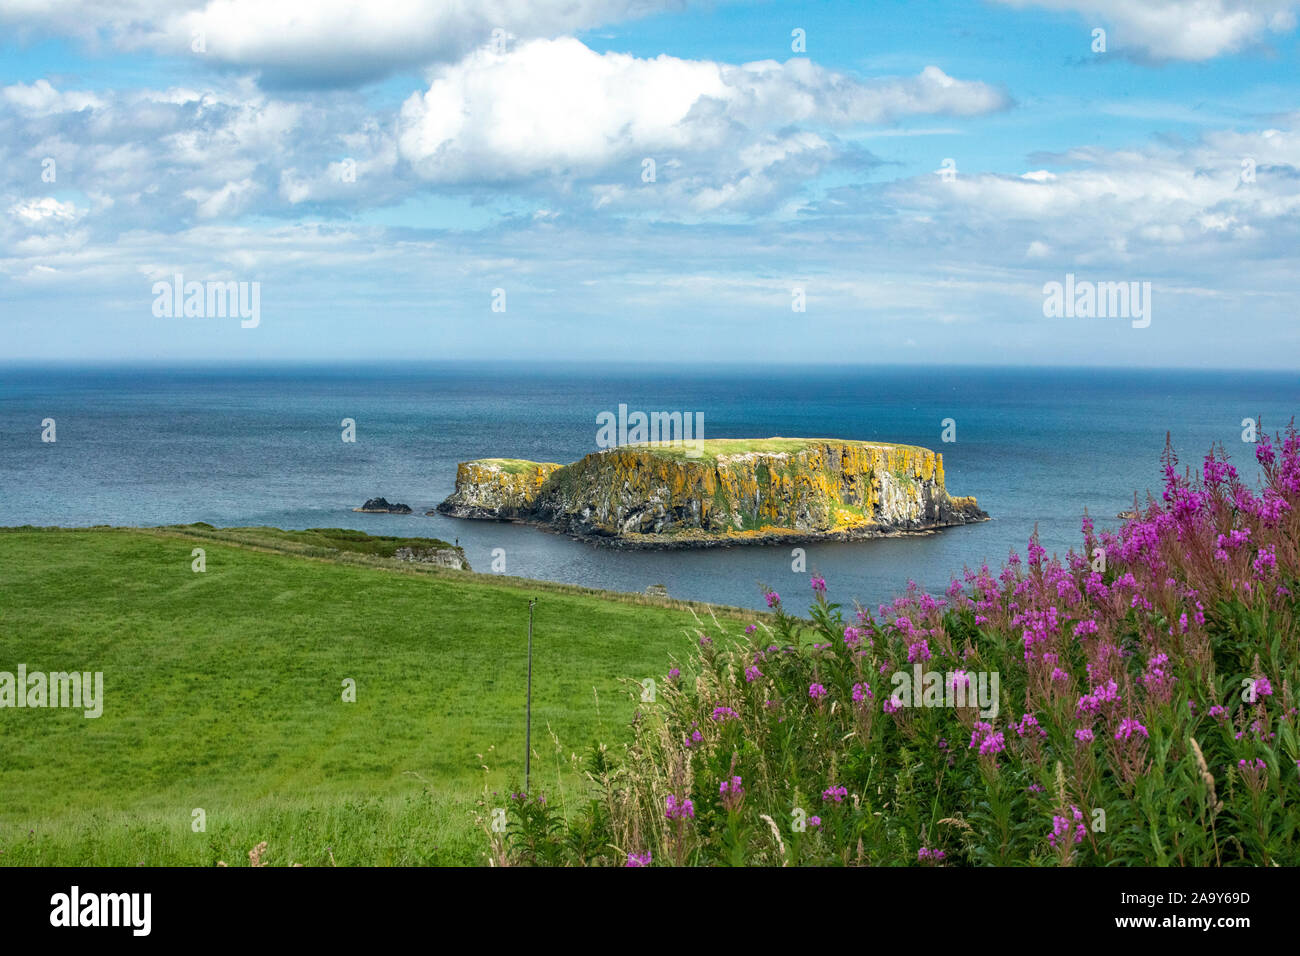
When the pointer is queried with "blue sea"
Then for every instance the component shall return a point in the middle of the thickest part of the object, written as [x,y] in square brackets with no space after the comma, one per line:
[262,446]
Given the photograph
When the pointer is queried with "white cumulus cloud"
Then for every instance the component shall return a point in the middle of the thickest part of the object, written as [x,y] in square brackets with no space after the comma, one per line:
[720,134]
[1180,29]
[315,42]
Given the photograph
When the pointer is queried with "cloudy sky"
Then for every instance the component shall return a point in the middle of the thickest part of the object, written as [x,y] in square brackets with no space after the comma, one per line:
[651,180]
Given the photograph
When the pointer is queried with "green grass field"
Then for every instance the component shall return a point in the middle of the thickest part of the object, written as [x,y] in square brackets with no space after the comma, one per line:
[223,690]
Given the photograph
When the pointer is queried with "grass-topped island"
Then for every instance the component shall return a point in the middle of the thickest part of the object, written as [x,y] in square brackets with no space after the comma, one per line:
[719,492]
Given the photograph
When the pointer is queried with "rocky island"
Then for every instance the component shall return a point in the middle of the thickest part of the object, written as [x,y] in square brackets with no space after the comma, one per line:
[737,491]
[382,506]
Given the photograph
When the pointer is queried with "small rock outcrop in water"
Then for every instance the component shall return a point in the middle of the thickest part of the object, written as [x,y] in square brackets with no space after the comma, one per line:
[737,491]
[382,506]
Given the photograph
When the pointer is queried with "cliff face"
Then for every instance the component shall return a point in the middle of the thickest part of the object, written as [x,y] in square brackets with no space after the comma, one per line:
[500,489]
[737,491]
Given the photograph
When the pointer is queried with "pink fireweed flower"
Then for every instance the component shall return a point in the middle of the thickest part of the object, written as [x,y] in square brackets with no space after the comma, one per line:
[752,673]
[1254,772]
[1029,726]
[1091,703]
[1084,628]
[1265,561]
[679,810]
[1128,727]
[1263,688]
[819,585]
[925,855]
[724,713]
[638,859]
[1256,730]
[1264,453]
[1158,683]
[852,636]
[1219,712]
[816,691]
[751,629]
[674,673]
[890,707]
[814,821]
[1061,827]
[705,641]
[732,793]
[836,794]
[861,692]
[990,743]
[773,599]
[1083,735]
[920,651]
[1036,551]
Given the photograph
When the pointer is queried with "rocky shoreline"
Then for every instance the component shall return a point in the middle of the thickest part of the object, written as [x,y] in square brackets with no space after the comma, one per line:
[687,542]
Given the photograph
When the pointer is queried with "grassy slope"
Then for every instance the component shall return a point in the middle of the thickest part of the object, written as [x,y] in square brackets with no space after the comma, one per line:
[516,466]
[223,691]
[320,540]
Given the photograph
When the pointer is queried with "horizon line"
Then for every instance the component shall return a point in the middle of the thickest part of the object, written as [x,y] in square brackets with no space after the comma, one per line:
[191,362]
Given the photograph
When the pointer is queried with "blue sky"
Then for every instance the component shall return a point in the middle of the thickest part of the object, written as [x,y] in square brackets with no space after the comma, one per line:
[381,174]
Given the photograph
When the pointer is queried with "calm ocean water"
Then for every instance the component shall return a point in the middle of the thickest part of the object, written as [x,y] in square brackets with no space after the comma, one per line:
[145,446]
